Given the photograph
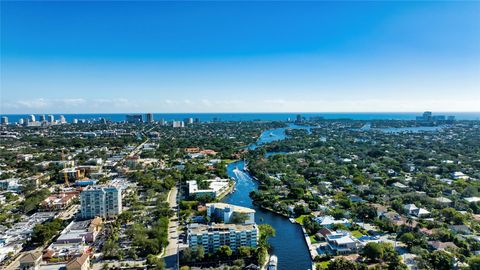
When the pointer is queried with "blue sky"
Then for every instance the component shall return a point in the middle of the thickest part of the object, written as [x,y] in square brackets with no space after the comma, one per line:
[72,57]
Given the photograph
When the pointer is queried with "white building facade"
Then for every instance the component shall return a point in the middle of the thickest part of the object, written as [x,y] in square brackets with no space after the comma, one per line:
[105,202]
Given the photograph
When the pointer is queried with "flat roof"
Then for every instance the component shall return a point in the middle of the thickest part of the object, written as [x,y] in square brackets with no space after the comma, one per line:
[235,208]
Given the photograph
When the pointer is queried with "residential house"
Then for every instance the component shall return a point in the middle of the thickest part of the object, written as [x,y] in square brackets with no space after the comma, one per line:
[329,221]
[79,263]
[30,261]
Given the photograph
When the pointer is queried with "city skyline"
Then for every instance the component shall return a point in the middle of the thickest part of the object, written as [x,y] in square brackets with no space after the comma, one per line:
[125,57]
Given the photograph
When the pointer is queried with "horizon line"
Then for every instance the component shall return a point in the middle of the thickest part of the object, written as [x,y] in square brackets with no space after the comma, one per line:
[292,112]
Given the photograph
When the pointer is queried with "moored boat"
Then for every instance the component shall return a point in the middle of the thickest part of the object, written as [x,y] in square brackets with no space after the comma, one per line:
[272,264]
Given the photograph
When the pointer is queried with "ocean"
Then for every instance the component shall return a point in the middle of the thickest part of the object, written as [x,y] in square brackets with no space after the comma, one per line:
[207,117]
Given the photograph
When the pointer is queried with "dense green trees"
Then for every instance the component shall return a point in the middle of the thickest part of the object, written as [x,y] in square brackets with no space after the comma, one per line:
[42,233]
[343,264]
[32,200]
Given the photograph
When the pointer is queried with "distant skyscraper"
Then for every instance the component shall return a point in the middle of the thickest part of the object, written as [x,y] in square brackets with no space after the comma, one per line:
[197,120]
[4,120]
[75,121]
[177,124]
[427,116]
[188,121]
[162,122]
[62,119]
[20,121]
[51,118]
[299,118]
[149,117]
[134,118]
[41,118]
[31,118]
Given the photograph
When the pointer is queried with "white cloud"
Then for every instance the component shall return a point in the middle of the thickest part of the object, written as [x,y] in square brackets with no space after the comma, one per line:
[32,104]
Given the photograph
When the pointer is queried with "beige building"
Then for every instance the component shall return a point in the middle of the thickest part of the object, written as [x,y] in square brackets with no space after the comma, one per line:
[79,263]
[31,261]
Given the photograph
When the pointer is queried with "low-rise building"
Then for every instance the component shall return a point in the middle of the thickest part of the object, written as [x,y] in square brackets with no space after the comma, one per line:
[229,213]
[460,175]
[216,188]
[73,240]
[81,262]
[342,243]
[59,201]
[213,236]
[72,173]
[11,184]
[30,261]
[329,221]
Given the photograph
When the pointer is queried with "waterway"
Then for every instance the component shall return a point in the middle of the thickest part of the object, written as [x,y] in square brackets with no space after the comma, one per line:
[288,244]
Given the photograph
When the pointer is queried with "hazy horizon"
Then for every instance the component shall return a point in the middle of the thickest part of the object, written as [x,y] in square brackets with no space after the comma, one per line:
[239,57]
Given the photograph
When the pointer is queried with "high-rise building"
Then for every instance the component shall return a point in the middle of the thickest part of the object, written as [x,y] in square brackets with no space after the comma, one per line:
[162,122]
[20,121]
[51,118]
[197,120]
[31,118]
[41,118]
[4,120]
[177,124]
[188,121]
[101,201]
[62,119]
[75,121]
[149,117]
[427,116]
[134,118]
[299,118]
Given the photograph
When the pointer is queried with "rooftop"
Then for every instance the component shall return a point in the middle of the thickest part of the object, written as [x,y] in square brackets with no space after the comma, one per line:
[196,228]
[234,208]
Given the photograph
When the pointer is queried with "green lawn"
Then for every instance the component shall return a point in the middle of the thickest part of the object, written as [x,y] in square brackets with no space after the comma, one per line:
[357,233]
[301,218]
[312,239]
[323,265]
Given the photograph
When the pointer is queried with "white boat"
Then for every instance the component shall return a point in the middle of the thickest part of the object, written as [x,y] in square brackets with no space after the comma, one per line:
[272,264]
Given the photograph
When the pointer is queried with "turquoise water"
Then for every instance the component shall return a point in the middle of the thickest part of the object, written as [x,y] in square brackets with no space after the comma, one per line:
[256,116]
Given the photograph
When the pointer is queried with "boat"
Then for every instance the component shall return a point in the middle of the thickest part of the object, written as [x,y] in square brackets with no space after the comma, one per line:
[271,134]
[272,264]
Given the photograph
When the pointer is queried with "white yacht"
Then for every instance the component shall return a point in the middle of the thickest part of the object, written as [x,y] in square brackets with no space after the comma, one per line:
[272,264]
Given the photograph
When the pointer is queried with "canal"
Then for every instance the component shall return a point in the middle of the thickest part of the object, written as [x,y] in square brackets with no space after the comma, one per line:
[288,244]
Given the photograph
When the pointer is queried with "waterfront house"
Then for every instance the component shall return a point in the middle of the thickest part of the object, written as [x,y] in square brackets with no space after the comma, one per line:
[342,243]
[329,221]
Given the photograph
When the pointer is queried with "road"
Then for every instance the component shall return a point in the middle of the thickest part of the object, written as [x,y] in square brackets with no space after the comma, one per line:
[171,252]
